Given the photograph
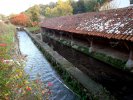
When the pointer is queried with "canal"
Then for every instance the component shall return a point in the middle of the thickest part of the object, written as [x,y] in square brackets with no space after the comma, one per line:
[118,83]
[40,66]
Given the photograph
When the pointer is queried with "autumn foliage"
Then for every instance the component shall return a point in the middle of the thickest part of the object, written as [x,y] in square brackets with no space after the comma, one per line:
[20,19]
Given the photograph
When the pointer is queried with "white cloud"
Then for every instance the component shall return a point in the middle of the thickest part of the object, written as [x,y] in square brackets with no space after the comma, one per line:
[16,6]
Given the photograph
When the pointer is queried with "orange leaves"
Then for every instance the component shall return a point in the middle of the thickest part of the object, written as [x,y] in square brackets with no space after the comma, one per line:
[34,24]
[20,19]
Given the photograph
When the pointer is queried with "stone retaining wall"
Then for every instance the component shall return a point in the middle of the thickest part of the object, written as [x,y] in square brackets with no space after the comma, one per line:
[114,62]
[84,86]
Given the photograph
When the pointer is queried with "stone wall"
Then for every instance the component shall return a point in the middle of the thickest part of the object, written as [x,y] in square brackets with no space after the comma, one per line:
[84,86]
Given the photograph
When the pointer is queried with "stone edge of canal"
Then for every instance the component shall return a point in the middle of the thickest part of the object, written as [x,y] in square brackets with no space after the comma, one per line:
[75,79]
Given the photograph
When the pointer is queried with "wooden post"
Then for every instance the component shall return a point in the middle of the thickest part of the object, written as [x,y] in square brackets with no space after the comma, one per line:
[53,34]
[91,49]
[39,35]
[41,30]
[60,35]
[71,37]
[129,63]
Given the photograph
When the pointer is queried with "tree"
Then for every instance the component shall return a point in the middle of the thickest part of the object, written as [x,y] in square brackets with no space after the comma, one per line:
[82,6]
[90,5]
[74,6]
[107,4]
[20,19]
[42,9]
[64,8]
[61,9]
[48,12]
[33,13]
[131,1]
[2,17]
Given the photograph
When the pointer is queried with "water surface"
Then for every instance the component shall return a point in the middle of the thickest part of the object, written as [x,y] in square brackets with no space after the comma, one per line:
[38,65]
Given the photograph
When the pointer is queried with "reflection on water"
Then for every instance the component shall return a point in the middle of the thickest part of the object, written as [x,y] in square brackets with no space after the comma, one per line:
[40,66]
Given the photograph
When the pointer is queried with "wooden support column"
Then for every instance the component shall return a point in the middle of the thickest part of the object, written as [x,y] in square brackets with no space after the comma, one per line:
[60,35]
[53,34]
[129,63]
[40,36]
[91,49]
[71,37]
[42,29]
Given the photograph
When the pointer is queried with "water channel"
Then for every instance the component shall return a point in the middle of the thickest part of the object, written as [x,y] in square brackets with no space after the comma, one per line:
[119,83]
[40,66]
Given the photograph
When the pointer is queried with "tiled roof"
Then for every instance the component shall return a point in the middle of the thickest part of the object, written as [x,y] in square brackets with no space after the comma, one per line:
[112,24]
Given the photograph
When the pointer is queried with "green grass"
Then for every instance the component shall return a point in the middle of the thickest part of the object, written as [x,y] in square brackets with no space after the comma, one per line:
[14,83]
[7,32]
[32,29]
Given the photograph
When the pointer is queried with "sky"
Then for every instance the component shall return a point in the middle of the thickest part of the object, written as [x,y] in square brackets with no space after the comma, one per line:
[121,3]
[8,7]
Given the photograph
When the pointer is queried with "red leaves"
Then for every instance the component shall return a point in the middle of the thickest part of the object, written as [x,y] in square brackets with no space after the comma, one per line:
[28,88]
[3,45]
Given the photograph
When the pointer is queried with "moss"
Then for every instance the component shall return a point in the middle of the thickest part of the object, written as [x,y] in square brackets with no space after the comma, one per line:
[71,82]
[117,63]
[68,79]
[109,60]
[100,56]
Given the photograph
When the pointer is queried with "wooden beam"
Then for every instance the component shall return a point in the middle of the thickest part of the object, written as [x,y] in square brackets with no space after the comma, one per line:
[129,63]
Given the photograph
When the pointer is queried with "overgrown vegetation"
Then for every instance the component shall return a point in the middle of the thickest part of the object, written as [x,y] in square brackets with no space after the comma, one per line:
[60,9]
[20,19]
[36,13]
[33,29]
[14,83]
[70,7]
[120,64]
[64,68]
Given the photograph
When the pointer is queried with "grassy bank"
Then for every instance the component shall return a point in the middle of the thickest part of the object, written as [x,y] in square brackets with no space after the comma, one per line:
[6,42]
[34,29]
[14,83]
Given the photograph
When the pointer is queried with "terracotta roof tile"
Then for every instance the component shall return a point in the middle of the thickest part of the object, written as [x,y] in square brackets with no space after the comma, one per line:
[124,37]
[128,38]
[112,24]
[131,39]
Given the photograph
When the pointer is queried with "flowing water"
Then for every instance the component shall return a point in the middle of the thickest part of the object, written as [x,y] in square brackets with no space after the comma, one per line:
[119,83]
[40,66]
